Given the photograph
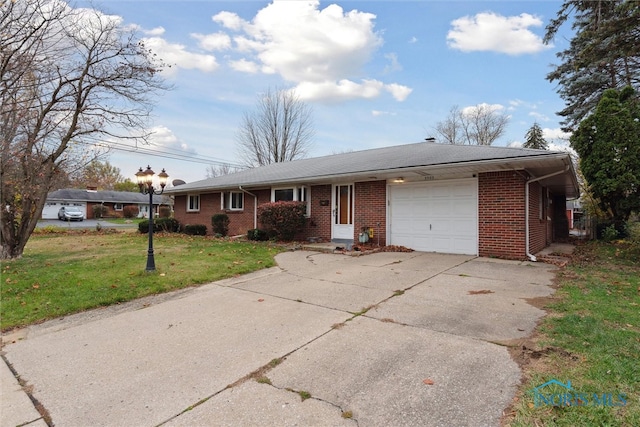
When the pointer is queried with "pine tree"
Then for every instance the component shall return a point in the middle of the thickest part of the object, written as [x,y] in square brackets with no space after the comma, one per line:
[603,54]
[535,139]
[608,143]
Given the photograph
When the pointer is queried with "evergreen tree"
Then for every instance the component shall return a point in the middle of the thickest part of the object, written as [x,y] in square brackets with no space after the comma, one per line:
[603,54]
[535,139]
[608,143]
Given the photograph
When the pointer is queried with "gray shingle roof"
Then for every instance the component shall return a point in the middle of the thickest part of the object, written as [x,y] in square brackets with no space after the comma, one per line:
[105,196]
[394,158]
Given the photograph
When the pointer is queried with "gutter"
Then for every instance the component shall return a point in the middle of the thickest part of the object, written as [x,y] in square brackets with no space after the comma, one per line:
[255,206]
[526,207]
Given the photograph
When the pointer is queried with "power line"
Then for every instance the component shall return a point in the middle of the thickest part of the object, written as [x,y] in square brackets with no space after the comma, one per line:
[166,152]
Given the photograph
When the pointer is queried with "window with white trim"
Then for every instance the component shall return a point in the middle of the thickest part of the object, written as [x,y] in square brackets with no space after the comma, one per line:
[236,200]
[292,194]
[117,206]
[193,203]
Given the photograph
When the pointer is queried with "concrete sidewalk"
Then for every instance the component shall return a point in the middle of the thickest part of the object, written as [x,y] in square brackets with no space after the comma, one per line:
[381,339]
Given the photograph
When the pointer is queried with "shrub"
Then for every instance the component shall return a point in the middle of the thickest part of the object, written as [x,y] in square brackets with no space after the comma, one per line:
[164,212]
[99,211]
[161,224]
[609,233]
[257,234]
[130,211]
[283,219]
[220,224]
[195,229]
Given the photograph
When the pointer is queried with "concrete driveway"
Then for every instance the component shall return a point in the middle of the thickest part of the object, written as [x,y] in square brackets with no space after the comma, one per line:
[376,340]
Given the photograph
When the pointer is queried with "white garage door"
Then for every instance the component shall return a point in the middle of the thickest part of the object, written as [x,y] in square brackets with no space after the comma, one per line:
[437,216]
[50,210]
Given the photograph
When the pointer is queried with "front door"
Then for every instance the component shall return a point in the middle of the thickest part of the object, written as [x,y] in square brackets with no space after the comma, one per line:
[342,199]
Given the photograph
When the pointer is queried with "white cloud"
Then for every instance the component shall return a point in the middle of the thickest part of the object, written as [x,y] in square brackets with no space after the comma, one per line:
[539,116]
[244,66]
[413,39]
[215,41]
[177,56]
[154,32]
[162,136]
[399,92]
[515,144]
[483,106]
[317,49]
[339,91]
[556,133]
[377,113]
[393,65]
[489,31]
[228,20]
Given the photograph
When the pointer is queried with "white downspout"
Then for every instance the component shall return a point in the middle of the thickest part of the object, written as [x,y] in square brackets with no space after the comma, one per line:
[526,209]
[255,206]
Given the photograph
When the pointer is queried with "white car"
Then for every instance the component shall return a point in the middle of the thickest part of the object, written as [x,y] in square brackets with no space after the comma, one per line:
[70,213]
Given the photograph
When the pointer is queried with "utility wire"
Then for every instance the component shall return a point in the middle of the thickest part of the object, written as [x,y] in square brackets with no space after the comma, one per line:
[165,152]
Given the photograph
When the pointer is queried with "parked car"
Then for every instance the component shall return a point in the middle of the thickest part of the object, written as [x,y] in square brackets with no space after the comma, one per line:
[70,213]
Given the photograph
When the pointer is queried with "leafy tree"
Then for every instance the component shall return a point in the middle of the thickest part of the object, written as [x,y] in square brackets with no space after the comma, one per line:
[126,185]
[279,130]
[67,78]
[608,143]
[478,125]
[604,53]
[104,176]
[535,139]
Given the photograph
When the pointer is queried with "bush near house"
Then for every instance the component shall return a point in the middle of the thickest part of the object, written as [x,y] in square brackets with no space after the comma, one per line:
[195,229]
[170,225]
[130,211]
[164,212]
[220,224]
[257,235]
[100,211]
[283,219]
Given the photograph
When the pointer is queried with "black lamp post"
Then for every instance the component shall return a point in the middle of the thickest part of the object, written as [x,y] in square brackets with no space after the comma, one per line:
[145,183]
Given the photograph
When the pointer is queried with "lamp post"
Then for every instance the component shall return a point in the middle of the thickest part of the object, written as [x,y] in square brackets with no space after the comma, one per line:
[145,183]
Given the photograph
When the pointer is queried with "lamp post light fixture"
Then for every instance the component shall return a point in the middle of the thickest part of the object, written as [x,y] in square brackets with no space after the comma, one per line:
[145,183]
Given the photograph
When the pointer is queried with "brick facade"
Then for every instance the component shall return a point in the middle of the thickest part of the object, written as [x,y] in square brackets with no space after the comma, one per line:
[501,213]
[371,209]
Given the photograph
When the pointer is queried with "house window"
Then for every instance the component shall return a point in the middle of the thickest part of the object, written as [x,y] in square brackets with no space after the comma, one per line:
[193,203]
[289,194]
[236,201]
[117,206]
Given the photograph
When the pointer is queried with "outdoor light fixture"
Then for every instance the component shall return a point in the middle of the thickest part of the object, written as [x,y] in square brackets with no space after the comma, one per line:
[145,183]
[399,179]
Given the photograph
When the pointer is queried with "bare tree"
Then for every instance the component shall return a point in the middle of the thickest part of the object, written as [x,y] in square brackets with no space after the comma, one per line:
[478,125]
[220,169]
[279,130]
[68,78]
[451,128]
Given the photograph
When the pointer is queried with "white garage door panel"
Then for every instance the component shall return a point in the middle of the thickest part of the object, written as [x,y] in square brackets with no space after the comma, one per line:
[435,216]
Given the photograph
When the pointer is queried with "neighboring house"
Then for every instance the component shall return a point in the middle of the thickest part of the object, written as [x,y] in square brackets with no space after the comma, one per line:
[426,196]
[113,201]
[575,214]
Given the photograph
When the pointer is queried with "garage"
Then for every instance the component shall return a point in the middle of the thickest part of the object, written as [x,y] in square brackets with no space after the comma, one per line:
[50,210]
[435,216]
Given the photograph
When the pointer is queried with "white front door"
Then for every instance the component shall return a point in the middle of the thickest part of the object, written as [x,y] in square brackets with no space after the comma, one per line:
[342,199]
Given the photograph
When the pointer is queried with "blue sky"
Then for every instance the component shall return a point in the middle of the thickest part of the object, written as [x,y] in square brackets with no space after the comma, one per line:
[376,73]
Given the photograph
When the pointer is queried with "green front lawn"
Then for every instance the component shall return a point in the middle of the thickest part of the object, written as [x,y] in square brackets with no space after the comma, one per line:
[64,273]
[591,337]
